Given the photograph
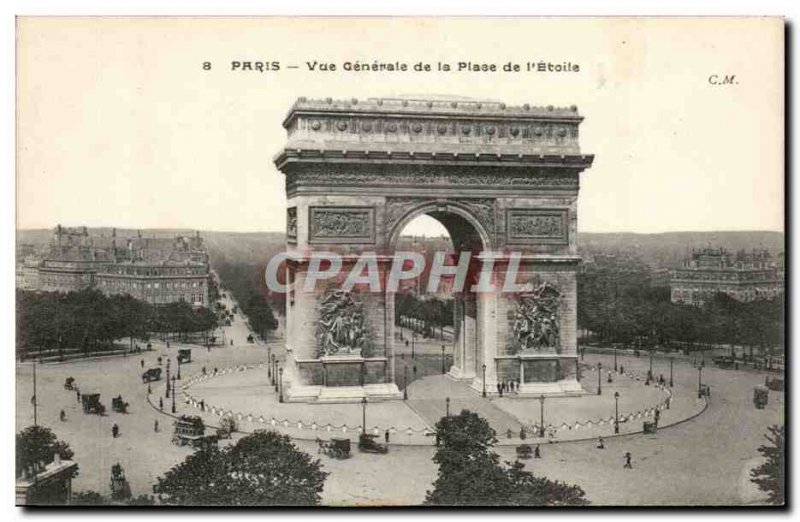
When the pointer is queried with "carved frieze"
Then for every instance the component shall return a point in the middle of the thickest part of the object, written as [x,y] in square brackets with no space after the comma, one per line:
[543,226]
[342,225]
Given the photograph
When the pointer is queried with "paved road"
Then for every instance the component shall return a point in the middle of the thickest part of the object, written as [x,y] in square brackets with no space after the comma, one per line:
[703,461]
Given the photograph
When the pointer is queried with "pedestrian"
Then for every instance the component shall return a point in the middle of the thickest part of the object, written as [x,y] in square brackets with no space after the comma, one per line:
[536,452]
[78,394]
[202,405]
[159,360]
[115,431]
[231,342]
[161,403]
[499,390]
[155,425]
[215,369]
[204,370]
[167,344]
[628,464]
[522,434]
[621,369]
[62,416]
[386,436]
[610,380]
[142,363]
[658,416]
[600,443]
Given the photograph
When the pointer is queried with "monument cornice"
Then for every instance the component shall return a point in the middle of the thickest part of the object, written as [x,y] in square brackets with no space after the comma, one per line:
[288,157]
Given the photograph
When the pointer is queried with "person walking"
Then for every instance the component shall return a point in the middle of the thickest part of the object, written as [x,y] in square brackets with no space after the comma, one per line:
[115,431]
[628,464]
[386,436]
[161,403]
[78,394]
[142,363]
[537,452]
[657,416]
[62,416]
[600,443]
[155,425]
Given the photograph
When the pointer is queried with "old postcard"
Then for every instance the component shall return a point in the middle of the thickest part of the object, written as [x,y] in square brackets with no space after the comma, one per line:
[276,261]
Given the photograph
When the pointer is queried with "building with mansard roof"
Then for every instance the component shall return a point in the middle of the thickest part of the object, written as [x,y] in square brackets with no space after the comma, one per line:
[745,276]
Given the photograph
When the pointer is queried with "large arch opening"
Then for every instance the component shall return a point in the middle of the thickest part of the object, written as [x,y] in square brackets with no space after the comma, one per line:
[437,328]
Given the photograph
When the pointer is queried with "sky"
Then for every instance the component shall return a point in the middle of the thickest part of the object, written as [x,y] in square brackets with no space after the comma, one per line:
[118,124]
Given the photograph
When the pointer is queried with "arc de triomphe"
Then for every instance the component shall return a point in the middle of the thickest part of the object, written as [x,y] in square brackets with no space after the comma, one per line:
[502,180]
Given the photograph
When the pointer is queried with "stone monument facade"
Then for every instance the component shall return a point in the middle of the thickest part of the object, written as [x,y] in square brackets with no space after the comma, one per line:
[502,180]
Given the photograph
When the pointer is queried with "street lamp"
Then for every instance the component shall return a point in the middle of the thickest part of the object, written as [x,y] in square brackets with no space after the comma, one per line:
[405,382]
[700,380]
[274,372]
[269,362]
[179,368]
[168,379]
[442,359]
[413,338]
[447,407]
[650,371]
[541,415]
[615,359]
[280,384]
[174,393]
[599,378]
[364,416]
[483,367]
[616,412]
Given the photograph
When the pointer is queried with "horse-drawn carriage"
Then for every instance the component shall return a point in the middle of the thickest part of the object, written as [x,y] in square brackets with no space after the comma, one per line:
[524,451]
[335,448]
[118,405]
[760,396]
[120,489]
[91,403]
[773,383]
[184,355]
[368,444]
[153,374]
[189,430]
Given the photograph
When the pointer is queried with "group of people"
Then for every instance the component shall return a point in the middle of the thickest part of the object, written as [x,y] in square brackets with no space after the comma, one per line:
[511,386]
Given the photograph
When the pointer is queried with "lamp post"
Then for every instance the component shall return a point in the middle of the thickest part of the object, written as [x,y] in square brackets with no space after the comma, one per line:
[650,371]
[405,382]
[364,416]
[274,372]
[413,338]
[541,415]
[166,396]
[442,359]
[447,407]
[174,393]
[483,367]
[616,412]
[671,382]
[269,362]
[179,368]
[599,378]
[615,359]
[700,380]
[280,384]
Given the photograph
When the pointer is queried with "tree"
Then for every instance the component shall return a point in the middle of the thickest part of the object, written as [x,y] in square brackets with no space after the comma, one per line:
[37,446]
[769,476]
[470,473]
[262,469]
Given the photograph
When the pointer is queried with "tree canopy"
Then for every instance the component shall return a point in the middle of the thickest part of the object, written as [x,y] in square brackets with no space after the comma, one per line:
[262,469]
[770,476]
[37,445]
[471,474]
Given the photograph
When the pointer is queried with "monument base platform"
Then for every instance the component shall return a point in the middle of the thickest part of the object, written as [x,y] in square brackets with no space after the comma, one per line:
[459,374]
[565,388]
[342,394]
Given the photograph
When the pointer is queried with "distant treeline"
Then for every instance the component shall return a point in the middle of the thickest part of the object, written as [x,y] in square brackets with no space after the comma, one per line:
[90,321]
[617,304]
[246,283]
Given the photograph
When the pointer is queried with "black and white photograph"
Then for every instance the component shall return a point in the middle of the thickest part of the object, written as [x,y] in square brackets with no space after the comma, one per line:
[276,261]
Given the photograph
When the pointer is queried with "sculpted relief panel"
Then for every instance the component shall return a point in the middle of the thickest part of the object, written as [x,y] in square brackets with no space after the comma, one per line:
[342,224]
[342,328]
[537,226]
[535,325]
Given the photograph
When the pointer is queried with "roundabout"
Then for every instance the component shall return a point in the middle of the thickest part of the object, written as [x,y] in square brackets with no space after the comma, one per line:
[247,393]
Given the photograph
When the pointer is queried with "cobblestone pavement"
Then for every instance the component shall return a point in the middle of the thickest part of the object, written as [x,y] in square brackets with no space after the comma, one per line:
[702,461]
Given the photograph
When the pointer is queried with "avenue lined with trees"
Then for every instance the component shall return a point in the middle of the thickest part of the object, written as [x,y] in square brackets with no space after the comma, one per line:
[618,304]
[88,321]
